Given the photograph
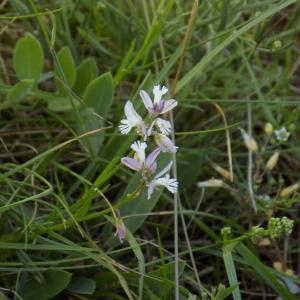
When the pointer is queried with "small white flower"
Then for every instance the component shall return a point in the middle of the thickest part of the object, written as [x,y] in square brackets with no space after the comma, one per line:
[282,134]
[164,143]
[164,126]
[133,119]
[170,183]
[264,198]
[159,180]
[139,148]
[158,92]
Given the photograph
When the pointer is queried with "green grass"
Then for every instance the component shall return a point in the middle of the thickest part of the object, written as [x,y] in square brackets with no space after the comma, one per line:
[66,71]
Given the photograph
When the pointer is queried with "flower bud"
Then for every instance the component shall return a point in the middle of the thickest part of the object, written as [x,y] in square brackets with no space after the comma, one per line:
[288,191]
[292,127]
[264,242]
[211,183]
[268,129]
[249,141]
[164,143]
[278,266]
[226,232]
[223,172]
[276,45]
[289,272]
[272,162]
[120,227]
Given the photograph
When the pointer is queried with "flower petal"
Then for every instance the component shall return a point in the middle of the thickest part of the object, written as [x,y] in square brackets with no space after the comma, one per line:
[170,183]
[133,117]
[158,92]
[168,105]
[282,134]
[152,168]
[150,129]
[131,163]
[139,148]
[164,143]
[164,126]
[151,187]
[150,160]
[121,230]
[125,126]
[147,101]
[165,170]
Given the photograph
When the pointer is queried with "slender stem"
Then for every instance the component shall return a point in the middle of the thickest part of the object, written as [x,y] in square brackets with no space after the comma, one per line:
[185,43]
[176,195]
[176,251]
[250,159]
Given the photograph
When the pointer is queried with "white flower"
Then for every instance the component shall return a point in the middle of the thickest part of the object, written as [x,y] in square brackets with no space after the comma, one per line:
[158,92]
[164,143]
[282,134]
[159,180]
[170,183]
[163,125]
[133,119]
[139,148]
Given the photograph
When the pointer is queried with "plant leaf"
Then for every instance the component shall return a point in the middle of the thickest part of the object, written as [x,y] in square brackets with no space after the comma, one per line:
[231,272]
[225,292]
[85,73]
[263,271]
[20,90]
[81,285]
[54,282]
[66,68]
[98,97]
[163,279]
[61,104]
[99,94]
[28,58]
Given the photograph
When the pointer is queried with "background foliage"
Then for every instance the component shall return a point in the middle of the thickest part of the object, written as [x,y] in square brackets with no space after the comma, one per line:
[67,68]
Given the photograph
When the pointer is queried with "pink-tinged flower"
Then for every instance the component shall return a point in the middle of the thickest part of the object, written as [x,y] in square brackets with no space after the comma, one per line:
[162,125]
[140,162]
[164,143]
[120,229]
[133,120]
[163,180]
[159,105]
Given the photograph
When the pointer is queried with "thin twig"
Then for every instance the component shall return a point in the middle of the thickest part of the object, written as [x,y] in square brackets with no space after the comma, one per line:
[176,195]
[250,159]
[185,44]
[227,140]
